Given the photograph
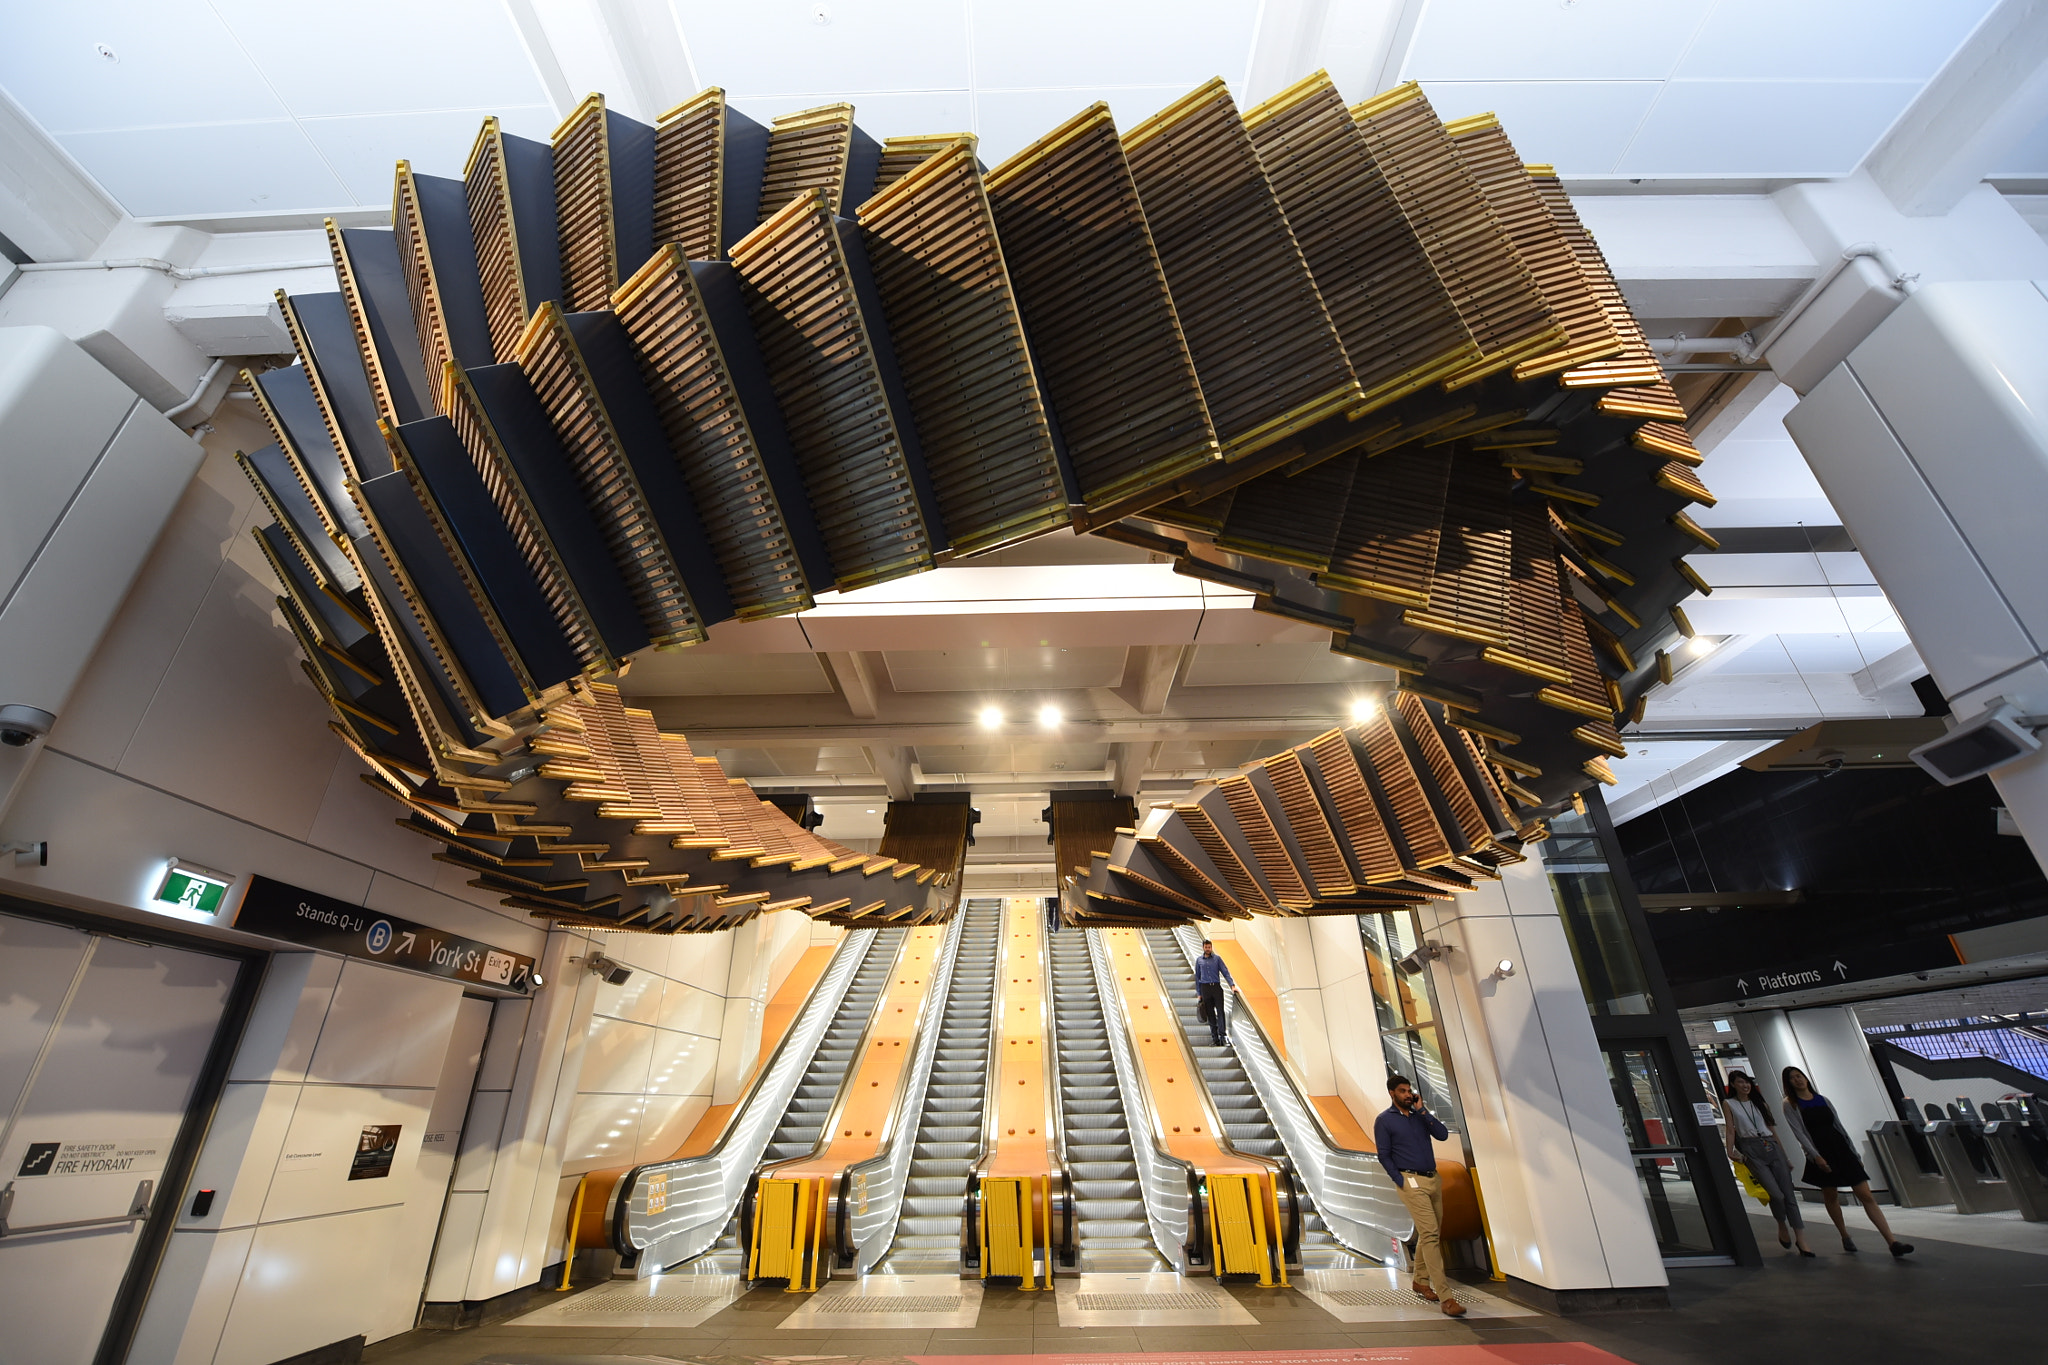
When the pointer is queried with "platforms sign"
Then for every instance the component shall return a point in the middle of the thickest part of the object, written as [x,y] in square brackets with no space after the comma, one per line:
[276,910]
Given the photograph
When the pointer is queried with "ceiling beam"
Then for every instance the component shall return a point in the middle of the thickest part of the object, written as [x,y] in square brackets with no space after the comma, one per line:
[49,208]
[1990,94]
[1149,672]
[851,674]
[893,762]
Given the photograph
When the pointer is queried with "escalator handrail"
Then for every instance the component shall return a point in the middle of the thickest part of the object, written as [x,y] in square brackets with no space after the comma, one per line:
[783,1065]
[868,1243]
[1171,1227]
[1056,1111]
[1363,1211]
[1210,1113]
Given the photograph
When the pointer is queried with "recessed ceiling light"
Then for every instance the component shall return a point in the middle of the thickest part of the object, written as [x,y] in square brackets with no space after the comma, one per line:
[1699,644]
[1363,709]
[1048,715]
[991,717]
[871,810]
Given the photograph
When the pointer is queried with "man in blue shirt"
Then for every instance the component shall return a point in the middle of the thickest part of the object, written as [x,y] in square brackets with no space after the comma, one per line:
[1210,974]
[1401,1138]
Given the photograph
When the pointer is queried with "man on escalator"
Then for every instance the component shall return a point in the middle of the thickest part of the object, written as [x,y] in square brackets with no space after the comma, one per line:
[1402,1136]
[1210,974]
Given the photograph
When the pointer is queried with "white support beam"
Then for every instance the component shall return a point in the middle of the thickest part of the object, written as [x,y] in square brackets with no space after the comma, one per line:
[1132,761]
[854,679]
[1149,671]
[1989,95]
[1700,256]
[893,763]
[49,208]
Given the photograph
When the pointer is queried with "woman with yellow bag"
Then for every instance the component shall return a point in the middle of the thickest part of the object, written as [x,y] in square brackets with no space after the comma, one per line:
[1753,1142]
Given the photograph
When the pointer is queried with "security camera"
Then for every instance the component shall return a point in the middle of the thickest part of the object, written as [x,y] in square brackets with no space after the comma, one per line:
[21,726]
[1429,952]
[610,972]
[1994,737]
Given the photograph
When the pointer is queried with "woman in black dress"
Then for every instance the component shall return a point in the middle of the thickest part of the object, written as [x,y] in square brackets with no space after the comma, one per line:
[1831,1160]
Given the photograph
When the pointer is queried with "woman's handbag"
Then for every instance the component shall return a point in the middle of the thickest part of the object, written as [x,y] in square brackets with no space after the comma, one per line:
[1748,1182]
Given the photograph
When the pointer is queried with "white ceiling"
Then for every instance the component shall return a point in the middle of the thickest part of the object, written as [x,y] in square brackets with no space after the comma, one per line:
[1739,89]
[218,108]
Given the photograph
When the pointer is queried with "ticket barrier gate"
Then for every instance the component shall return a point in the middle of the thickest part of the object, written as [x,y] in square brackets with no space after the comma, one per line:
[2021,1154]
[1903,1151]
[1967,1164]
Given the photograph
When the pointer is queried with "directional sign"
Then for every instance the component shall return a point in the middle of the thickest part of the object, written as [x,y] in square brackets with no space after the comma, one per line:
[276,910]
[1858,964]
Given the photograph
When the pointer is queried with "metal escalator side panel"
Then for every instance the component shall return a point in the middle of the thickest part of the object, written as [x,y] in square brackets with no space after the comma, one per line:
[671,1211]
[874,1193]
[936,1151]
[1358,1205]
[877,1059]
[1164,1179]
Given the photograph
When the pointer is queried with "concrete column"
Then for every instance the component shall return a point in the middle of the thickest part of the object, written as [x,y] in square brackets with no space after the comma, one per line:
[1547,1138]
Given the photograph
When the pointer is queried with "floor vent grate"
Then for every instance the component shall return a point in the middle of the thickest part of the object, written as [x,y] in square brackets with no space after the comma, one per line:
[1375,1298]
[1159,1303]
[877,1303]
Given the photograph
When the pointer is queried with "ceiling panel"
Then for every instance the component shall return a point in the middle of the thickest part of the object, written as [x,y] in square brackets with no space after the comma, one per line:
[355,59]
[691,673]
[1004,670]
[210,168]
[1251,665]
[173,62]
[1581,127]
[1764,128]
[1600,40]
[1840,39]
[364,151]
[839,47]
[1129,42]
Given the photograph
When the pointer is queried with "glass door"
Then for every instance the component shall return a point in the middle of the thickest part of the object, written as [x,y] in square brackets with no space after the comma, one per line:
[1668,1170]
[1410,1035]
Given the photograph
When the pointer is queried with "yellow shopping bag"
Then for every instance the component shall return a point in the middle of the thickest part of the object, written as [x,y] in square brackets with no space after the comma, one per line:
[1749,1185]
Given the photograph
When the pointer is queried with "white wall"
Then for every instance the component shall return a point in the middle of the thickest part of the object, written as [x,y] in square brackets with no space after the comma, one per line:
[194,733]
[295,1255]
[1547,1140]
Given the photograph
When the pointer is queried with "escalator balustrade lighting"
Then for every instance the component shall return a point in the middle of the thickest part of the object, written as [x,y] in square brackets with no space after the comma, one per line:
[604,393]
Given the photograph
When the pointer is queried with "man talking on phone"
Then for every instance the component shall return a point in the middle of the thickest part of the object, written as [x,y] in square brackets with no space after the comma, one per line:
[1402,1136]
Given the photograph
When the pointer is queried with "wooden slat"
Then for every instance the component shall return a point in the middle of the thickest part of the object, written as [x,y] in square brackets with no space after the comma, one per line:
[1398,322]
[1265,352]
[808,150]
[1103,329]
[960,345]
[1452,220]
[552,363]
[663,311]
[822,364]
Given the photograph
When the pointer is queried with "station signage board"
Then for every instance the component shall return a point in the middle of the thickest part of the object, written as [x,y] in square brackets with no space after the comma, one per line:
[1789,976]
[275,909]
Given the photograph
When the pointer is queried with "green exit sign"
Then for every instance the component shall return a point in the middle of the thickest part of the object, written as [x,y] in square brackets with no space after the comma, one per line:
[191,889]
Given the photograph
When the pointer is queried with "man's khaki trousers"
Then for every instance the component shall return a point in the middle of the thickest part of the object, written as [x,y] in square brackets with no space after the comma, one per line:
[1424,1196]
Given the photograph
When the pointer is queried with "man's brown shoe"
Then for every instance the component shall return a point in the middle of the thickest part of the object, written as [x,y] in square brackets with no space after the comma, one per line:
[1423,1289]
[1453,1309]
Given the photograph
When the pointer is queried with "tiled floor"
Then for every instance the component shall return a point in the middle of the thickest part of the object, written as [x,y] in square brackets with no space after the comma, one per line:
[1949,1301]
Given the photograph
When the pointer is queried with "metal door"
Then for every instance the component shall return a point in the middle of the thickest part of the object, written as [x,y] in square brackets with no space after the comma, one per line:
[102,1041]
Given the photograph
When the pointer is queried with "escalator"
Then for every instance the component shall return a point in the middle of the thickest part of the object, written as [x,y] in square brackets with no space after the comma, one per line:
[802,1123]
[1245,1120]
[949,1133]
[1111,1231]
